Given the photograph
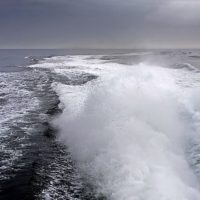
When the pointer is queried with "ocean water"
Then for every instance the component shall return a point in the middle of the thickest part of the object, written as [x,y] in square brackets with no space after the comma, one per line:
[100,124]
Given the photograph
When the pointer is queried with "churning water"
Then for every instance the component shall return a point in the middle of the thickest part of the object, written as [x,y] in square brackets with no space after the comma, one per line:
[116,126]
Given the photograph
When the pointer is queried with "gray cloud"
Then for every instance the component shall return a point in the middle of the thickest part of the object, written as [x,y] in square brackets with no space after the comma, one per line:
[99,24]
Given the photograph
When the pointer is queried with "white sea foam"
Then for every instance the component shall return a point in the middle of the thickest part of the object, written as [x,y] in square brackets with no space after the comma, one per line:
[128,129]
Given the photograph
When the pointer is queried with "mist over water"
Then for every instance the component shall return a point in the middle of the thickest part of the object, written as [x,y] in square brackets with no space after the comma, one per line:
[131,130]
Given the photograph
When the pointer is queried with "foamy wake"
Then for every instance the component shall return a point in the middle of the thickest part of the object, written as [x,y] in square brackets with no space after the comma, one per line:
[129,130]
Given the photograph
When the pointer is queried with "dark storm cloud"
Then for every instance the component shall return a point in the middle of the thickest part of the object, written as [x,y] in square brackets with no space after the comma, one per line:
[99,23]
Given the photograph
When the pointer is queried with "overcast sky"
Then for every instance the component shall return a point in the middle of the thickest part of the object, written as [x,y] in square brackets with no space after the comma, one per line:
[99,23]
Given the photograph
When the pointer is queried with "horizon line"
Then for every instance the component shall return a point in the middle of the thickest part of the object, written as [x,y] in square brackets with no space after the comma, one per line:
[167,48]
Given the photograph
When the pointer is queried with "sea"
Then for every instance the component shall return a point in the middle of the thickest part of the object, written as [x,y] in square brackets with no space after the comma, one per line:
[93,124]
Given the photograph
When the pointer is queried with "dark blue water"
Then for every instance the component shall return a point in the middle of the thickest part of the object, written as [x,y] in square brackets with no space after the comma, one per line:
[30,156]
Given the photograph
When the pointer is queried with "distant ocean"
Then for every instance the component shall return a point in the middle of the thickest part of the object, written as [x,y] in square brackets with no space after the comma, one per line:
[100,124]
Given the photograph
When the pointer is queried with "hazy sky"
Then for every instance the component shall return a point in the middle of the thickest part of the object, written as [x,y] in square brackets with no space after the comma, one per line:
[99,23]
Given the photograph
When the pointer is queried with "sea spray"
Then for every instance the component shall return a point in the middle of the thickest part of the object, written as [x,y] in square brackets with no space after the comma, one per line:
[126,133]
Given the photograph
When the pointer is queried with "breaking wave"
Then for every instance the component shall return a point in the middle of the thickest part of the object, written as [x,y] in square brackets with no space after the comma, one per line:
[130,130]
